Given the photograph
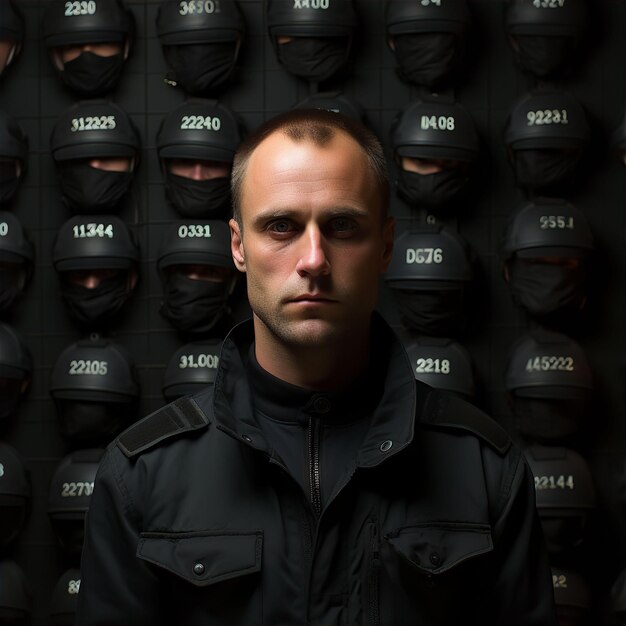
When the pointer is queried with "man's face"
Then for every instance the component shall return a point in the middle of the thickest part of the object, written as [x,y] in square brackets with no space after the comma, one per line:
[312,241]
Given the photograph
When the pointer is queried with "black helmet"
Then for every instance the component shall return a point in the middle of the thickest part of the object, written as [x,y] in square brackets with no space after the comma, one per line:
[572,596]
[548,227]
[533,17]
[546,134]
[545,35]
[427,38]
[547,118]
[443,364]
[102,241]
[334,101]
[199,129]
[323,31]
[11,29]
[91,129]
[201,42]
[95,387]
[183,23]
[64,601]
[15,494]
[404,17]
[429,256]
[205,242]
[70,492]
[16,367]
[311,18]
[435,127]
[16,255]
[15,595]
[546,364]
[104,21]
[430,271]
[191,368]
[550,385]
[565,495]
[14,246]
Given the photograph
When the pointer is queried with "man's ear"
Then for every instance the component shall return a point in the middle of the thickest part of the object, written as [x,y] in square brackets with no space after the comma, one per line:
[236,245]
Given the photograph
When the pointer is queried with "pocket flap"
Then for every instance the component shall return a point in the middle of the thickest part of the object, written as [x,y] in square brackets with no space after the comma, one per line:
[436,549]
[204,558]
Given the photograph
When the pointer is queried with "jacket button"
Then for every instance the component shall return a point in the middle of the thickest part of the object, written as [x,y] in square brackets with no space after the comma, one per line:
[246,438]
[321,404]
[386,445]
[198,569]
[435,559]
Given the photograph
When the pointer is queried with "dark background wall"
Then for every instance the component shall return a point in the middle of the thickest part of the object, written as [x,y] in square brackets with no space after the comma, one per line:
[261,88]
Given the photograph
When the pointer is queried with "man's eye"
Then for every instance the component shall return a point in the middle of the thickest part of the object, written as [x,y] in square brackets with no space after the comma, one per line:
[342,225]
[281,226]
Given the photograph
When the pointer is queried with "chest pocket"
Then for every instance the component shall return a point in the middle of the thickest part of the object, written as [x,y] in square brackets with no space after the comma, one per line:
[435,550]
[204,558]
[424,567]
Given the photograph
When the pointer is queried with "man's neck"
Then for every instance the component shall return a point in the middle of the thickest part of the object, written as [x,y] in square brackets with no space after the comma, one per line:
[322,368]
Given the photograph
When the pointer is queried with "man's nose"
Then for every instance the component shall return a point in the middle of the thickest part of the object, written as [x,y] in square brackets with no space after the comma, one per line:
[313,259]
[196,172]
[91,282]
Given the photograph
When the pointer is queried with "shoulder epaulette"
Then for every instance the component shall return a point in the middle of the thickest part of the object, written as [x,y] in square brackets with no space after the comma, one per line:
[181,416]
[449,411]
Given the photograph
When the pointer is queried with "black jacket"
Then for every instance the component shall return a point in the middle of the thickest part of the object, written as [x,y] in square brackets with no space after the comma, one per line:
[194,520]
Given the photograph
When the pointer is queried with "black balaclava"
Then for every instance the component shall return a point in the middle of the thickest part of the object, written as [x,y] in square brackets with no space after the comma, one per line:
[193,305]
[87,189]
[426,58]
[545,288]
[545,169]
[12,280]
[433,190]
[314,58]
[9,181]
[91,75]
[198,198]
[91,307]
[199,69]
[437,312]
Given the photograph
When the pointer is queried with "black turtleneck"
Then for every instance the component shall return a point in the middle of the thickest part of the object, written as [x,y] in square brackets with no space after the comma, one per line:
[315,435]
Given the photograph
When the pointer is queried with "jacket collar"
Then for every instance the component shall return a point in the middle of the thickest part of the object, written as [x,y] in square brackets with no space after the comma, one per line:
[392,424]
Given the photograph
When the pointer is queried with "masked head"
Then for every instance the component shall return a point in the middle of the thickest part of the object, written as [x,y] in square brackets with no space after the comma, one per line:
[545,36]
[13,153]
[548,247]
[16,368]
[88,44]
[97,266]
[196,143]
[201,47]
[427,40]
[435,145]
[312,40]
[96,148]
[546,135]
[197,275]
[16,260]
[550,386]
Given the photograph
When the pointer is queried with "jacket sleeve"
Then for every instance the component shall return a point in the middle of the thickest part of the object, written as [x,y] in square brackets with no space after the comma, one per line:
[521,591]
[116,587]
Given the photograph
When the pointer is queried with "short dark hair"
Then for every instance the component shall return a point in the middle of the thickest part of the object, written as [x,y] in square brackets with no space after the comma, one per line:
[318,126]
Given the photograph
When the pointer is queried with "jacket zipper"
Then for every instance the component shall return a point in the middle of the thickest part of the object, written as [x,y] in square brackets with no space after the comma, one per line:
[372,595]
[314,466]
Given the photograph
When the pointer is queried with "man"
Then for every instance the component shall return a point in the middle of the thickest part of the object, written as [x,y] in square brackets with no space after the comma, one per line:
[316,482]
